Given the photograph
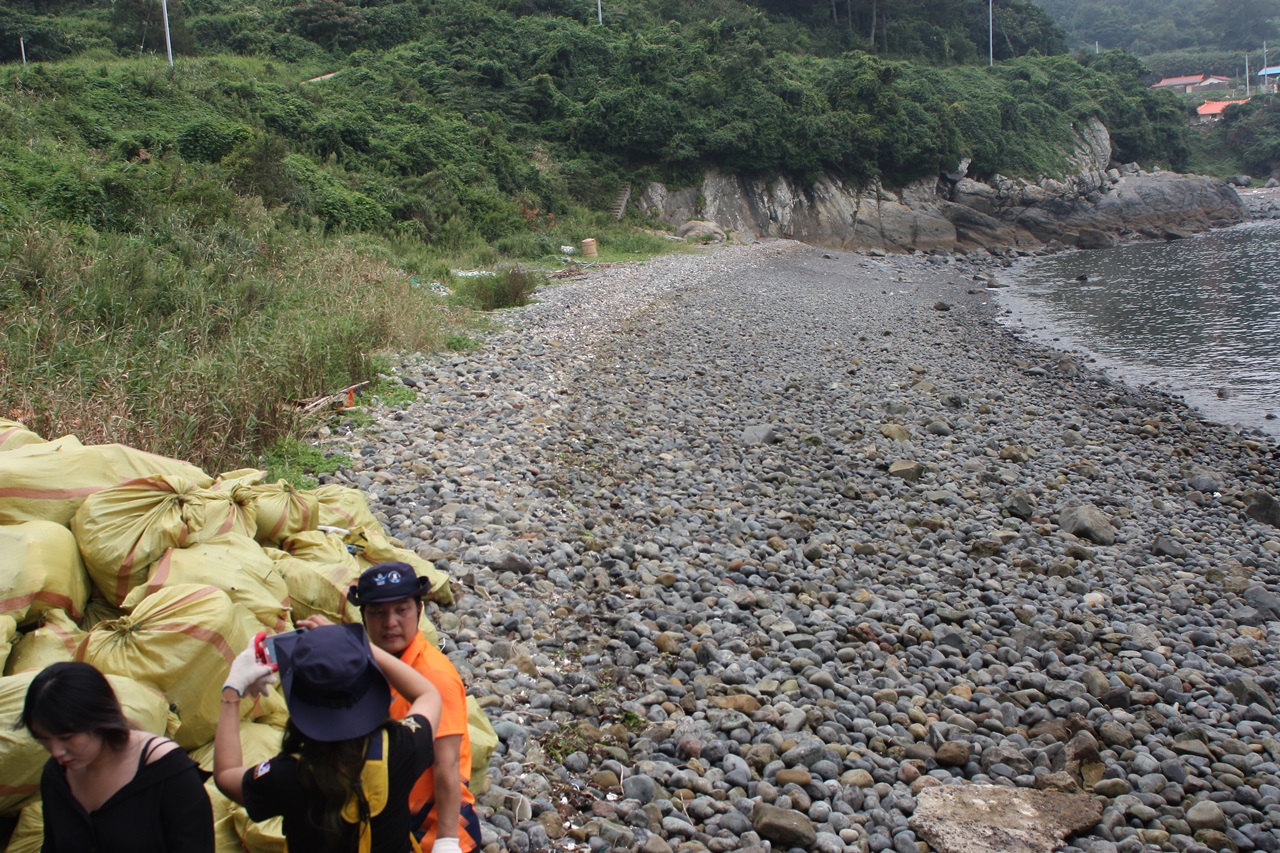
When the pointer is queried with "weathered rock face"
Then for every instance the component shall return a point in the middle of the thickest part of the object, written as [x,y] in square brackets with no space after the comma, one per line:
[1093,206]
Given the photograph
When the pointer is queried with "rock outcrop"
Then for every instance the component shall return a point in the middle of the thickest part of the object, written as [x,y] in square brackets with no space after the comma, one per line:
[1094,205]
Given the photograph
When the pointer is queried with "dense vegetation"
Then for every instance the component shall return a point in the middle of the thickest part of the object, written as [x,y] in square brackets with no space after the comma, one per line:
[939,31]
[1175,36]
[184,250]
[1247,140]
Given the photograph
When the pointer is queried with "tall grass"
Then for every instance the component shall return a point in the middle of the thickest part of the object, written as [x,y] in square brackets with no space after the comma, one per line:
[198,350]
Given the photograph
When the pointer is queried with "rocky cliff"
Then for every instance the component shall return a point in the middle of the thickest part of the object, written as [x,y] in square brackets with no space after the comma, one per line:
[1095,204]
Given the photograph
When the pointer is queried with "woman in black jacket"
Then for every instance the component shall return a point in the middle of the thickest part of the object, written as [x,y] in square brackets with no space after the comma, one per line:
[109,787]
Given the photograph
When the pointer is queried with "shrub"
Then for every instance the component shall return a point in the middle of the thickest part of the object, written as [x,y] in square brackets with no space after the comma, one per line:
[76,196]
[209,140]
[331,200]
[257,166]
[508,287]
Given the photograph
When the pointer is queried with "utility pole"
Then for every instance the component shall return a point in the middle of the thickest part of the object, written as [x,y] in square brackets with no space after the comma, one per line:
[168,45]
[599,13]
[991,33]
[1246,75]
[22,47]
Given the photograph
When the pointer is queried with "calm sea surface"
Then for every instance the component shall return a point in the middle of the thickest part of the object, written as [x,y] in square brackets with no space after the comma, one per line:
[1198,317]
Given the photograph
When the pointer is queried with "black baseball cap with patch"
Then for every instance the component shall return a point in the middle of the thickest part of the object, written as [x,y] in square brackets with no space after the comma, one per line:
[387,582]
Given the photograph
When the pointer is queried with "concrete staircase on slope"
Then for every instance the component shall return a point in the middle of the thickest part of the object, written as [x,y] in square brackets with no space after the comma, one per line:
[620,203]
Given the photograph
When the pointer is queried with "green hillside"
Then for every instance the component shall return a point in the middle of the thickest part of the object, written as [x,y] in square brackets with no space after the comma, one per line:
[184,250]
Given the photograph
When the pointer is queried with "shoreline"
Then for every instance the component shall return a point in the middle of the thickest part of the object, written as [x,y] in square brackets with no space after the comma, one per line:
[759,545]
[1030,319]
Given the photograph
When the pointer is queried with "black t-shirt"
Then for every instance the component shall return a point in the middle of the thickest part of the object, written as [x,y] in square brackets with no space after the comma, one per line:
[163,809]
[272,789]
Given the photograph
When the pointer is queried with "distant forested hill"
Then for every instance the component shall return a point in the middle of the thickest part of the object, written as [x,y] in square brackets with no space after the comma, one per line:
[468,94]
[937,31]
[1174,36]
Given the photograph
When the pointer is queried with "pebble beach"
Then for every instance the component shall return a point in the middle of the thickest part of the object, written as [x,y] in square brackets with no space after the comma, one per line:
[754,545]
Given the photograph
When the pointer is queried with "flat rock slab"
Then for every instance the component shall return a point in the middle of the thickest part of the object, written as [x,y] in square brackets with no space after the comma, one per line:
[982,818]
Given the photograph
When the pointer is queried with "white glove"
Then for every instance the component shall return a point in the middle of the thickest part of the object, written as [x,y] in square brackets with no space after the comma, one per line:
[446,845]
[248,677]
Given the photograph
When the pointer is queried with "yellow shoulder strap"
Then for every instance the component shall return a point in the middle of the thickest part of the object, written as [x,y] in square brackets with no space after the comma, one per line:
[376,786]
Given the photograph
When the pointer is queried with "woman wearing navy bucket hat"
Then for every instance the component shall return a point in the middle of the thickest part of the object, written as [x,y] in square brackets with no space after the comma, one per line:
[343,777]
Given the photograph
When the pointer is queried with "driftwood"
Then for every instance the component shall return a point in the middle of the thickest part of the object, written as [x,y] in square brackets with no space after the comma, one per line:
[575,268]
[338,401]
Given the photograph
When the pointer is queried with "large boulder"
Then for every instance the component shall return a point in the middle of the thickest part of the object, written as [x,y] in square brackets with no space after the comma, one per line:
[1087,522]
[996,819]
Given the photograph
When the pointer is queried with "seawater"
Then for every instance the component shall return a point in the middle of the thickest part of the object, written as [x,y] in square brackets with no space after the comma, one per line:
[1199,317]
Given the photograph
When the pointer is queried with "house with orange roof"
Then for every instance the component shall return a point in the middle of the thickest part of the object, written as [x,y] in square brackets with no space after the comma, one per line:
[1191,82]
[1212,110]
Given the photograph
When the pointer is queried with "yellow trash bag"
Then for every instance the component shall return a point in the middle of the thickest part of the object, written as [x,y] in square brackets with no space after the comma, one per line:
[258,742]
[123,530]
[373,547]
[48,482]
[225,837]
[14,435]
[224,513]
[235,564]
[23,759]
[41,569]
[54,641]
[310,590]
[28,834]
[8,637]
[228,480]
[230,511]
[484,740]
[318,569]
[233,832]
[264,837]
[281,509]
[181,641]
[345,508]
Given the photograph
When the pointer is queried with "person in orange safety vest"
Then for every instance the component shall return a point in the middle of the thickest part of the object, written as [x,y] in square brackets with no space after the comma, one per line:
[442,806]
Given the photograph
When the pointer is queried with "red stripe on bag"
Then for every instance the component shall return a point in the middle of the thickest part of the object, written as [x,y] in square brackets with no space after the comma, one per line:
[229,524]
[68,640]
[57,599]
[207,635]
[126,568]
[160,572]
[10,790]
[30,494]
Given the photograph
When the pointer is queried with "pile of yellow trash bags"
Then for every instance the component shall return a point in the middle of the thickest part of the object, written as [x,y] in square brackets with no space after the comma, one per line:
[158,574]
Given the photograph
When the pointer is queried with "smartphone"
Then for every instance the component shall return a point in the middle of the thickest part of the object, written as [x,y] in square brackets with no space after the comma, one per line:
[265,646]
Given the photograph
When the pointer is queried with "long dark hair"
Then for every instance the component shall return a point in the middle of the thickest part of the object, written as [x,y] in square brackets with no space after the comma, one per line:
[70,698]
[328,774]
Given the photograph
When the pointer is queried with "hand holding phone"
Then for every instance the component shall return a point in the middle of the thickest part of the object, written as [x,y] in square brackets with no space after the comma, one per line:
[265,646]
